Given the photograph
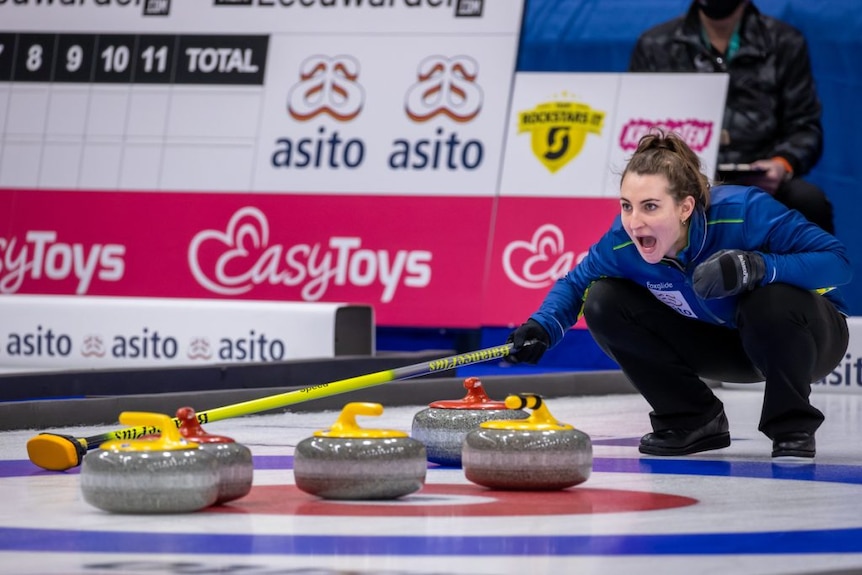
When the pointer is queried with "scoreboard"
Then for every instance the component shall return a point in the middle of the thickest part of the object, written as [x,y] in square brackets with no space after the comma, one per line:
[284,150]
[136,59]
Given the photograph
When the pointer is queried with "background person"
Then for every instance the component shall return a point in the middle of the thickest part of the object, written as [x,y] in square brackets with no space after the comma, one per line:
[772,111]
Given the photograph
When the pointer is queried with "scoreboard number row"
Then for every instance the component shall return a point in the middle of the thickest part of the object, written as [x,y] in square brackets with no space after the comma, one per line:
[146,59]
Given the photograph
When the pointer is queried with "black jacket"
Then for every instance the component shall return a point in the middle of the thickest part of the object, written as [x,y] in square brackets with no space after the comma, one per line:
[772,107]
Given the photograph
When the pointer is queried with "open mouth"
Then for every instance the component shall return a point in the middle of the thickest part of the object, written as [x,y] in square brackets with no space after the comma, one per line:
[646,242]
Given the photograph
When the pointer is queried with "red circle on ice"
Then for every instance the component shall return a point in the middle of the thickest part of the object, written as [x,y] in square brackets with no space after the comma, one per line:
[439,500]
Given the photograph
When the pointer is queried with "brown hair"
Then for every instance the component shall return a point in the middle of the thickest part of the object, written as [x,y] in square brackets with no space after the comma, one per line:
[666,154]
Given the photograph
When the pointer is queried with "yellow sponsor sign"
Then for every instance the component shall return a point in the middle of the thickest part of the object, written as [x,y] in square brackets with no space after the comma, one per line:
[558,130]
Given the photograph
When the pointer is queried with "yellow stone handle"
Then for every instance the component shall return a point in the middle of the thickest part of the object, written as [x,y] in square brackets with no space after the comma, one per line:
[539,419]
[167,436]
[346,427]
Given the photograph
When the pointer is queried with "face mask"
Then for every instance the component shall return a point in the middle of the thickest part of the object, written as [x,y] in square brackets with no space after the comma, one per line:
[718,9]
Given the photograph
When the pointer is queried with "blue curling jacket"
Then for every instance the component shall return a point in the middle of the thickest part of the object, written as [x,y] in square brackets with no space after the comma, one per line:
[796,252]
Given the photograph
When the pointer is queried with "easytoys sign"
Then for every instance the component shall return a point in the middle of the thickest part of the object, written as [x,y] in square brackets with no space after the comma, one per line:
[405,256]
[242,258]
[40,254]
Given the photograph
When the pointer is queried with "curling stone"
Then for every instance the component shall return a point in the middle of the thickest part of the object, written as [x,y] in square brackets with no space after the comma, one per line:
[537,453]
[349,462]
[444,425]
[164,474]
[236,469]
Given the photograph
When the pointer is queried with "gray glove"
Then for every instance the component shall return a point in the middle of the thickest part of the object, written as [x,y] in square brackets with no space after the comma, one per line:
[728,272]
[530,340]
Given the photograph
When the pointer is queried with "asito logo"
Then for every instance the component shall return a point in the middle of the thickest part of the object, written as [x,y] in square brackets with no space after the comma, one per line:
[93,346]
[444,88]
[254,347]
[327,86]
[558,130]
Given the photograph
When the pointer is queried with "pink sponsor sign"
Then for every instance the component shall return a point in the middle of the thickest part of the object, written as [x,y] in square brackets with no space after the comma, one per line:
[418,261]
[536,241]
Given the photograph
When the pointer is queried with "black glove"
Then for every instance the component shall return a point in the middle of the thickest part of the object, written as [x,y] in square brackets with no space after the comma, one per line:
[531,341]
[727,273]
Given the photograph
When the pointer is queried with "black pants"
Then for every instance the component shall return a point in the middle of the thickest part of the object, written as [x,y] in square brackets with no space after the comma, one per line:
[787,336]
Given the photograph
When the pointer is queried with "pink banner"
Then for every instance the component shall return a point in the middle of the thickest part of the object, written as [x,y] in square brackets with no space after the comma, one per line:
[419,261]
[536,241]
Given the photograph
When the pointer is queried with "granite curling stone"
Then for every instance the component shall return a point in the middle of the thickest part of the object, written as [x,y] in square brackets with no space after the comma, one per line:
[162,474]
[349,462]
[444,425]
[236,469]
[537,453]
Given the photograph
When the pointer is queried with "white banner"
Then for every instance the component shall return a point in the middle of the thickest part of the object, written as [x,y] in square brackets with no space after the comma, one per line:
[421,118]
[58,332]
